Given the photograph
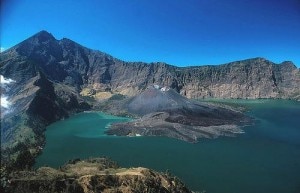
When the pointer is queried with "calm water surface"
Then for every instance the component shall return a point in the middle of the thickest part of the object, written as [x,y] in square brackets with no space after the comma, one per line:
[265,159]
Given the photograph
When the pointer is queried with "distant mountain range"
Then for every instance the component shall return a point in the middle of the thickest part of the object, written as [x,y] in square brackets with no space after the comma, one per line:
[52,79]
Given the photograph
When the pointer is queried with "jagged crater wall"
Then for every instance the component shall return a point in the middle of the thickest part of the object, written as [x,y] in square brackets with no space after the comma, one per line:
[69,63]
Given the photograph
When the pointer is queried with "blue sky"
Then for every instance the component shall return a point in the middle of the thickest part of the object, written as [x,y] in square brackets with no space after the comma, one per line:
[179,32]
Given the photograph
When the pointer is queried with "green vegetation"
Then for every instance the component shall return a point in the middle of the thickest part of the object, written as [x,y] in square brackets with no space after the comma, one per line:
[25,160]
[81,175]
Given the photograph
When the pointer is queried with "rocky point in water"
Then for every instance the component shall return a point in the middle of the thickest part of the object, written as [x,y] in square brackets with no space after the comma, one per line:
[164,112]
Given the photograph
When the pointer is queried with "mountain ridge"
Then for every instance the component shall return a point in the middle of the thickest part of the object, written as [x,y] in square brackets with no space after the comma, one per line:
[81,67]
[48,35]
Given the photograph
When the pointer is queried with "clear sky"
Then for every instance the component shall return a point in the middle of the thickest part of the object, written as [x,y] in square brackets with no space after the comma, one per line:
[179,32]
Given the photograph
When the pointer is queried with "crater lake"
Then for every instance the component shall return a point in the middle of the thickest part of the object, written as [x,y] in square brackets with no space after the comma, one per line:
[266,158]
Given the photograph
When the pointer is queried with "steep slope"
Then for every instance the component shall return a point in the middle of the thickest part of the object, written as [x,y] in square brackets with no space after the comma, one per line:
[36,101]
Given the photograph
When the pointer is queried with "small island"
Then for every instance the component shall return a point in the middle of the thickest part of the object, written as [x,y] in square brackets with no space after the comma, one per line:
[161,111]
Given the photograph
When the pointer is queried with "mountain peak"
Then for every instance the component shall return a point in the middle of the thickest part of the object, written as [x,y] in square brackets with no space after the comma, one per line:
[43,32]
[43,36]
[156,99]
[289,64]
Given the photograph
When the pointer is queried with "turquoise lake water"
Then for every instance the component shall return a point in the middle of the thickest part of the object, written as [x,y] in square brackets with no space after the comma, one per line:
[265,159]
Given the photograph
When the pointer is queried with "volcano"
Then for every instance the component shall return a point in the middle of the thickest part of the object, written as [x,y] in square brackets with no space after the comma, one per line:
[164,112]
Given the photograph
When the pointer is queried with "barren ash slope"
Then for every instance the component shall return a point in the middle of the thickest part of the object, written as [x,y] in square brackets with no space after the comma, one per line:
[56,78]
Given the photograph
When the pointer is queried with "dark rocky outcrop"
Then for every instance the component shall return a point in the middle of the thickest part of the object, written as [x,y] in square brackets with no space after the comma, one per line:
[93,175]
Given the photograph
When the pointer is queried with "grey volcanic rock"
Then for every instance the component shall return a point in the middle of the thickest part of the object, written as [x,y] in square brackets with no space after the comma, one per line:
[166,113]
[154,100]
